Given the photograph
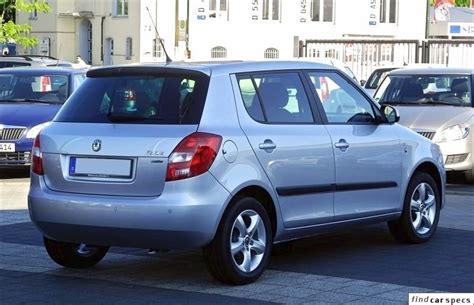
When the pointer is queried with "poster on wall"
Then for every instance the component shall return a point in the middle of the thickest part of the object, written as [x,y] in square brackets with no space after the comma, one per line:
[441,9]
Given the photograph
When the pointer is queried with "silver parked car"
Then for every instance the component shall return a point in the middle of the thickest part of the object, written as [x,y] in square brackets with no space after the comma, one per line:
[231,158]
[438,104]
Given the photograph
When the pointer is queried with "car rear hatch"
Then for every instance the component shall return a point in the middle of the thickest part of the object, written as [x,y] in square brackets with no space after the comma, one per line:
[115,134]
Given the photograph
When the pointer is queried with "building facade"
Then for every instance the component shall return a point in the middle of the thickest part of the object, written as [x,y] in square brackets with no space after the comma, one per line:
[123,31]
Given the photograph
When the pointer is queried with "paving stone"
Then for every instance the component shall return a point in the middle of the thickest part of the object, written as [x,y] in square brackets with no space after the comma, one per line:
[334,297]
[375,301]
[395,295]
[290,300]
[295,292]
[267,297]
[325,286]
[362,290]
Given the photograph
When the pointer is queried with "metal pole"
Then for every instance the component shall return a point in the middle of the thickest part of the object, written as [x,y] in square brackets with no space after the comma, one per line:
[427,21]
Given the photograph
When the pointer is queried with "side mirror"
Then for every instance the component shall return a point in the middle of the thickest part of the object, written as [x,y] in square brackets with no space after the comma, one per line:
[391,113]
[363,82]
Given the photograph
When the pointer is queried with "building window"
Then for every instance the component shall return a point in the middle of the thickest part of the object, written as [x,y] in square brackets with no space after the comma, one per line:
[121,8]
[388,11]
[128,48]
[157,48]
[218,9]
[33,14]
[271,10]
[218,52]
[271,53]
[218,5]
[322,10]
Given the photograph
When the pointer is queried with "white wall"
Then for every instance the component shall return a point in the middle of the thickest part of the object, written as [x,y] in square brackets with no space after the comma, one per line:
[245,38]
[235,30]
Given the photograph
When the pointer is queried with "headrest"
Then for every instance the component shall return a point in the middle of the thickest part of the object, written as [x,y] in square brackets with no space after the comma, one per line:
[273,94]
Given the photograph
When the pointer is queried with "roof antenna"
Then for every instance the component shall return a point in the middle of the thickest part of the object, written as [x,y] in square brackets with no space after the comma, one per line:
[168,58]
[59,55]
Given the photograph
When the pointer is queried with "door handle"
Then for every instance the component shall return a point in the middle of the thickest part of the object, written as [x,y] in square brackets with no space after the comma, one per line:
[267,145]
[342,144]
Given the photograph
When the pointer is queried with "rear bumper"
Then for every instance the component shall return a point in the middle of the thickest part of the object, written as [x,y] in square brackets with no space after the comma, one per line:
[184,216]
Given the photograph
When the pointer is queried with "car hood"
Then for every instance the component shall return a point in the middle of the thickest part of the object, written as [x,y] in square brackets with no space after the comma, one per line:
[432,118]
[27,114]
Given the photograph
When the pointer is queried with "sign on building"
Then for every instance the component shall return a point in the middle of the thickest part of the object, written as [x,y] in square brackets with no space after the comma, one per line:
[44,46]
[459,29]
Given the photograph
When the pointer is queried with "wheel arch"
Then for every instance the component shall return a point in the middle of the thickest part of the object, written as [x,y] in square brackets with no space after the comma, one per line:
[264,197]
[431,169]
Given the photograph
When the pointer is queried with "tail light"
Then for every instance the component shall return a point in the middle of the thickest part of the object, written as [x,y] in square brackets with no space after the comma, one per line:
[193,156]
[36,158]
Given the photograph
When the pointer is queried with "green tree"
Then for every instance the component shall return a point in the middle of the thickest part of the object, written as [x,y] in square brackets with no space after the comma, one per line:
[463,3]
[19,33]
[460,3]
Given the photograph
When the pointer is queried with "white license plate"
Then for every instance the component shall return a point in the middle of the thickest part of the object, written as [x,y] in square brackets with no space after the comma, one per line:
[7,147]
[101,168]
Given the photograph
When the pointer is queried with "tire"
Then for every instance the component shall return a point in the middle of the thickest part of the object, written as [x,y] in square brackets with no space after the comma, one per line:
[253,247]
[73,255]
[420,217]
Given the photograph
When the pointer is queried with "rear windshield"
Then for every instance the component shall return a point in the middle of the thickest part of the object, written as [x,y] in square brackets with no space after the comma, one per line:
[167,99]
[44,88]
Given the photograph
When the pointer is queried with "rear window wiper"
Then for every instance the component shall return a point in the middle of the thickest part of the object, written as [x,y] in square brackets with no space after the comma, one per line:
[130,118]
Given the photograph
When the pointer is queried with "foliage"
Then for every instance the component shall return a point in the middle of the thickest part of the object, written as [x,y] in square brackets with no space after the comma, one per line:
[463,3]
[459,3]
[19,33]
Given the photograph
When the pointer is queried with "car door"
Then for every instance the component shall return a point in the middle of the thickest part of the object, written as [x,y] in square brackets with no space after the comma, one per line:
[368,153]
[291,144]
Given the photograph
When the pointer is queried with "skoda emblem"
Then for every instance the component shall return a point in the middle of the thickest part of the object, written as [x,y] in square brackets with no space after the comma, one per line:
[96,145]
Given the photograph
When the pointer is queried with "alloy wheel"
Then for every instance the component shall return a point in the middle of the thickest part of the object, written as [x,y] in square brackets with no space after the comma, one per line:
[423,208]
[248,241]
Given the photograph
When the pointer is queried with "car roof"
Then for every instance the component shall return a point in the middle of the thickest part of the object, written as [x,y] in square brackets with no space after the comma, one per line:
[431,70]
[40,70]
[214,67]
[34,60]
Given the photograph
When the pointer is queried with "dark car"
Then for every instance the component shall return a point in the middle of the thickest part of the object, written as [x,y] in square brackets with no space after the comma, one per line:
[29,99]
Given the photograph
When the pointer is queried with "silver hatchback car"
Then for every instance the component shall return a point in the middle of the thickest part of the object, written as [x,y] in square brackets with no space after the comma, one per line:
[231,158]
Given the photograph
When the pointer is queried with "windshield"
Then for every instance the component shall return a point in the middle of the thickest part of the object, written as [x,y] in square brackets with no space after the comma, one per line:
[34,88]
[454,90]
[376,78]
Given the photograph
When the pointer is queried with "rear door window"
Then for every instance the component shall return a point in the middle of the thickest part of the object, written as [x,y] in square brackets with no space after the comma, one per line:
[276,98]
[167,99]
